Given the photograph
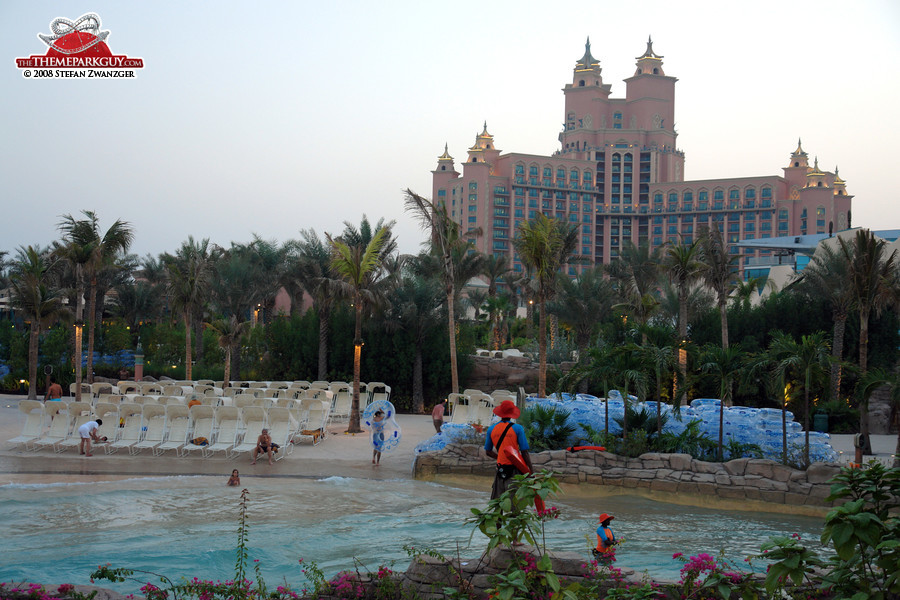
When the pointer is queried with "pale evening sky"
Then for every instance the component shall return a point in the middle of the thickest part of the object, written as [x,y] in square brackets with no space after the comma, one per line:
[271,117]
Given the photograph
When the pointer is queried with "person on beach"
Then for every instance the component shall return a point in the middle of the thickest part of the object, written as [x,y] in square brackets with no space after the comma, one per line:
[606,539]
[377,436]
[264,445]
[437,415]
[54,392]
[89,431]
[501,435]
[235,478]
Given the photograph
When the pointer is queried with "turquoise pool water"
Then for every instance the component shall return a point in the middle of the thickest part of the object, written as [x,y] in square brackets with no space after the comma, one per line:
[187,526]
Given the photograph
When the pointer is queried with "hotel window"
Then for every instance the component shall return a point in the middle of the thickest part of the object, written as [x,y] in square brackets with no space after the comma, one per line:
[687,229]
[473,197]
[547,171]
[573,175]
[519,191]
[718,195]
[520,169]
[519,201]
[688,196]
[472,219]
[520,213]
[473,186]
[442,193]
[473,208]
[532,171]
[588,177]
[532,203]
[617,120]
[657,241]
[734,194]
[749,226]
[765,226]
[560,206]
[750,193]
[658,197]
[673,198]
[782,214]
[585,218]
[673,230]
[673,219]
[532,193]
[573,206]
[783,226]
[703,218]
[657,230]
[734,227]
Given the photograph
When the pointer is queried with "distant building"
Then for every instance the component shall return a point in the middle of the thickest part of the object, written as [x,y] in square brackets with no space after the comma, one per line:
[619,176]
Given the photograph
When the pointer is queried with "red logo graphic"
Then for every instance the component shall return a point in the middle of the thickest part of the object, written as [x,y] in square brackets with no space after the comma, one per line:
[78,44]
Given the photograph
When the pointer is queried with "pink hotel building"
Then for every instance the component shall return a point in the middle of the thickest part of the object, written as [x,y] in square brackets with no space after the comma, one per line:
[619,176]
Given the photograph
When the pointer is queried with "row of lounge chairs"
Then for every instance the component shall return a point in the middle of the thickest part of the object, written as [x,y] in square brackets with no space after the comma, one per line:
[160,428]
[283,389]
[475,406]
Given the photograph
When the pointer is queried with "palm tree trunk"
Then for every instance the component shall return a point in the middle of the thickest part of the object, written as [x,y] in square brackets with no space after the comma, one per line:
[33,360]
[542,347]
[418,395]
[451,324]
[227,375]
[863,366]
[721,426]
[723,320]
[682,335]
[354,427]
[92,319]
[806,420]
[324,325]
[188,374]
[837,352]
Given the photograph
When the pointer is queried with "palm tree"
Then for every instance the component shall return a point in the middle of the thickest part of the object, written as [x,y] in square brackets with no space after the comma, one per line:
[743,291]
[826,277]
[809,360]
[544,246]
[720,274]
[495,268]
[101,253]
[581,303]
[636,274]
[725,363]
[628,363]
[445,239]
[498,308]
[415,308]
[314,274]
[358,266]
[875,379]
[189,275]
[662,360]
[684,267]
[770,368]
[872,276]
[476,299]
[229,331]
[39,302]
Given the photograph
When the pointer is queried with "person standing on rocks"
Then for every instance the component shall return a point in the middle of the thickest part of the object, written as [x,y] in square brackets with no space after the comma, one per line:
[502,437]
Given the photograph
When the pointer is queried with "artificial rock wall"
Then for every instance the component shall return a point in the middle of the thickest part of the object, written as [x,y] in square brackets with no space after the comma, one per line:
[695,482]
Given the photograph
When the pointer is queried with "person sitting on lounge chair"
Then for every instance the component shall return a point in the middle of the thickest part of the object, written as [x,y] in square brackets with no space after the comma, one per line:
[263,444]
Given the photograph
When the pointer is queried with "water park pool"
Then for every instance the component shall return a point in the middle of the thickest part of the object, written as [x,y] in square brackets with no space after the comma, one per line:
[187,526]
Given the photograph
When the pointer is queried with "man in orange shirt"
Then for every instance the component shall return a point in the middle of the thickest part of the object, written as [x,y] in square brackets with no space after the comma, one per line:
[500,436]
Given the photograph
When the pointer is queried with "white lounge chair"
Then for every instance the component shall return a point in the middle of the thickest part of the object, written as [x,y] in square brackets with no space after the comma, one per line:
[378,391]
[253,419]
[60,425]
[130,433]
[280,430]
[319,385]
[316,418]
[342,400]
[154,428]
[459,408]
[227,422]
[109,414]
[178,422]
[80,413]
[203,418]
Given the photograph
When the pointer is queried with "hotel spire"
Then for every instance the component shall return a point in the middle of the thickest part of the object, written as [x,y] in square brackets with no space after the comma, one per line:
[649,63]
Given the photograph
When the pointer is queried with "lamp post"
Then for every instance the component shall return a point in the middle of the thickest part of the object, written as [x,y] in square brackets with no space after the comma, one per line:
[79,335]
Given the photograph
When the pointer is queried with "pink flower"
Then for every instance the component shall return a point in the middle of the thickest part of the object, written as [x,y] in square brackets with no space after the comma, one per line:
[678,555]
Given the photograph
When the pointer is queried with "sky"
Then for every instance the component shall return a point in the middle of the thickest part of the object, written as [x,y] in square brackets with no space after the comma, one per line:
[266,118]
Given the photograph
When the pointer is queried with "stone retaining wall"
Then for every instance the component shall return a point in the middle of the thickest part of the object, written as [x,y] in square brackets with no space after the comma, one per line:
[743,479]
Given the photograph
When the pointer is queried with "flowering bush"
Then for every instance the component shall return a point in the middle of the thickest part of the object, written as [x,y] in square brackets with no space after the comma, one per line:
[35,591]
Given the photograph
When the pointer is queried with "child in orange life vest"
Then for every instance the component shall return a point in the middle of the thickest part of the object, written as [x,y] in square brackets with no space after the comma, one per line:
[606,539]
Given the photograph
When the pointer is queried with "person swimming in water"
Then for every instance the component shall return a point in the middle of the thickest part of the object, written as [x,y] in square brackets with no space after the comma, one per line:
[235,478]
